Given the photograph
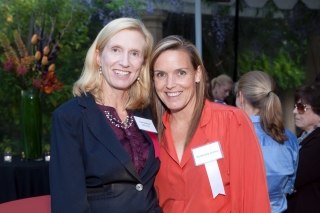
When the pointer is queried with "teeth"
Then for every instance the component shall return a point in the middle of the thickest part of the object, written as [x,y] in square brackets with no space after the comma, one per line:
[173,94]
[120,72]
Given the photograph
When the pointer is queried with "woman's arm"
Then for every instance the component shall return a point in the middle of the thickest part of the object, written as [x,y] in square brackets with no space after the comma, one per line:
[67,172]
[294,150]
[248,184]
[309,161]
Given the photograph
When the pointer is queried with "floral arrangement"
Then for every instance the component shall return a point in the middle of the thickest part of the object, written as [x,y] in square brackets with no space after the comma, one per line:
[32,70]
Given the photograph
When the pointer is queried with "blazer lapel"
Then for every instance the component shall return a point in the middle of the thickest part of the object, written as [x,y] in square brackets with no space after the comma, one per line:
[98,125]
[151,156]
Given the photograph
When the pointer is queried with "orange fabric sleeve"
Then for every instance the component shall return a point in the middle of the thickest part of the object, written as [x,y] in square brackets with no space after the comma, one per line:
[248,184]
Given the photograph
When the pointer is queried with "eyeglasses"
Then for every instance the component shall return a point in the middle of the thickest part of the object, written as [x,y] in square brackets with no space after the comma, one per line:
[301,107]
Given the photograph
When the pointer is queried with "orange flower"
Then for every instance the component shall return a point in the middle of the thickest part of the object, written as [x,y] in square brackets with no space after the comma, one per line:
[58,86]
[37,55]
[52,67]
[46,50]
[44,60]
[29,70]
[48,89]
[34,39]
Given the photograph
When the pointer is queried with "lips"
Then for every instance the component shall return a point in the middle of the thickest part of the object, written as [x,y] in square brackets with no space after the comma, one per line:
[173,94]
[121,72]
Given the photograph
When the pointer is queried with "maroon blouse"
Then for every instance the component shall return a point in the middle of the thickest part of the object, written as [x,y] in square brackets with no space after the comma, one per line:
[132,139]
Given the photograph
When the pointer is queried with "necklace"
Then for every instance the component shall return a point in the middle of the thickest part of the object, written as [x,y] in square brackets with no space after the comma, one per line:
[118,123]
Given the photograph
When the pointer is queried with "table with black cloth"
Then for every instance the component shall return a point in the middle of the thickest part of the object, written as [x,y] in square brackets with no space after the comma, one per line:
[23,179]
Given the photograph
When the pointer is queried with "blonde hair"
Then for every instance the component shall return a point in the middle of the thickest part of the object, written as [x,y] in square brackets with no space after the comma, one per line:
[221,80]
[258,89]
[178,43]
[90,80]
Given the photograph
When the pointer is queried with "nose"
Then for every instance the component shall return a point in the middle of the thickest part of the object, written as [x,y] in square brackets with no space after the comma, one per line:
[170,82]
[295,110]
[124,60]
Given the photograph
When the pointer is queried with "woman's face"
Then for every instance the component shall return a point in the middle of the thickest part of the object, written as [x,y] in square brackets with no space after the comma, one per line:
[221,92]
[307,120]
[121,59]
[175,80]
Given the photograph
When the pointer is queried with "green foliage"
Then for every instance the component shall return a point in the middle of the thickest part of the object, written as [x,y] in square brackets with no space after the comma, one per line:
[277,45]
[134,4]
[7,145]
[20,14]
[286,72]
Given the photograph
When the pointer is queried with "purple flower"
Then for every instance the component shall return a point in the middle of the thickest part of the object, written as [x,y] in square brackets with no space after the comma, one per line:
[21,70]
[8,65]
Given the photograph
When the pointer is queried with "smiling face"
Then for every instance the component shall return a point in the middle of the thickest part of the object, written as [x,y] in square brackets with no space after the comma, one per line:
[121,59]
[307,120]
[175,80]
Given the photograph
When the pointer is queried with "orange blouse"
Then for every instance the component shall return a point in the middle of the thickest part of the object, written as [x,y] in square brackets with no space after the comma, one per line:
[185,188]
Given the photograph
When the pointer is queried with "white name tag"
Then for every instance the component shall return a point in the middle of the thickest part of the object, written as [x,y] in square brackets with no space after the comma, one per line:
[145,124]
[207,153]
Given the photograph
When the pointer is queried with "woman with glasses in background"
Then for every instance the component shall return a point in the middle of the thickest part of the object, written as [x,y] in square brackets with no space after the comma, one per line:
[255,94]
[307,117]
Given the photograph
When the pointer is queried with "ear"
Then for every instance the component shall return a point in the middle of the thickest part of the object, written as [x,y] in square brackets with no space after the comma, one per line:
[241,100]
[198,75]
[98,58]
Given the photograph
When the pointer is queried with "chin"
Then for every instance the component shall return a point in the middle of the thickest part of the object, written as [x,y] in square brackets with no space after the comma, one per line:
[174,108]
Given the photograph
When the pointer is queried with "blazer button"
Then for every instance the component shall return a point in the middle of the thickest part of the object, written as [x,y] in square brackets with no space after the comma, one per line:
[139,187]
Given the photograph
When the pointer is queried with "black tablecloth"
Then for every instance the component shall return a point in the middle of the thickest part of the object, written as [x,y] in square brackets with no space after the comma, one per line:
[23,179]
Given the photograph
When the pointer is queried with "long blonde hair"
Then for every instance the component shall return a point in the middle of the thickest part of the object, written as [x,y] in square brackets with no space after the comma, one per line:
[91,82]
[178,43]
[258,89]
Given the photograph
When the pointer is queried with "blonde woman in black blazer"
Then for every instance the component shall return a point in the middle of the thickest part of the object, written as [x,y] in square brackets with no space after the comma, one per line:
[307,185]
[100,160]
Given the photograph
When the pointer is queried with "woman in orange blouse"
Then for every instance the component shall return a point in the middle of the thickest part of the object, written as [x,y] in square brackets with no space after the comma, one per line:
[210,156]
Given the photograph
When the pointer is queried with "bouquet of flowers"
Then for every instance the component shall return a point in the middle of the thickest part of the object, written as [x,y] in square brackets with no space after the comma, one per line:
[35,70]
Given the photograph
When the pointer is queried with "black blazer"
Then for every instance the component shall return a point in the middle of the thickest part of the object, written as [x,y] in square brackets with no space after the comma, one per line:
[307,184]
[90,171]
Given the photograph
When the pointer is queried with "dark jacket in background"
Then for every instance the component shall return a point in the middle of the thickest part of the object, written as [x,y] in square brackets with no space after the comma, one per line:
[307,197]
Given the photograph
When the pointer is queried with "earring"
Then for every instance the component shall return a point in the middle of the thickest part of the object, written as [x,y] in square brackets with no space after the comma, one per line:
[198,82]
[138,79]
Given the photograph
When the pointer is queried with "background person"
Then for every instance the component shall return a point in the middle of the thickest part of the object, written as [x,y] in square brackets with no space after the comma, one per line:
[307,117]
[221,87]
[100,160]
[255,94]
[186,120]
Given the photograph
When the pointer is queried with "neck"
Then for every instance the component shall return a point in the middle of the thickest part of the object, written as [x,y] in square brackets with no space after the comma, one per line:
[183,117]
[312,128]
[180,119]
[250,110]
[116,99]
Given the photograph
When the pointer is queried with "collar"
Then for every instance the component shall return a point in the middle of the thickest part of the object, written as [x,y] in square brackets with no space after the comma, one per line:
[255,118]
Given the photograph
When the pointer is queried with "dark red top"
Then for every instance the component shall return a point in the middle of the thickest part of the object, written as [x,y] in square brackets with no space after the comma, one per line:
[132,139]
